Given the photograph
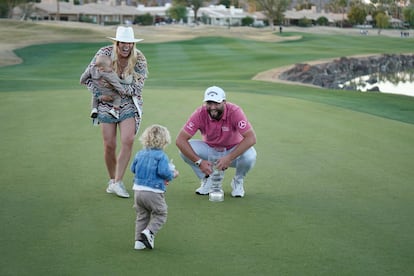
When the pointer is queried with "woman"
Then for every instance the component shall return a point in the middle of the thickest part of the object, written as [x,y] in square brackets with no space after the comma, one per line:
[131,66]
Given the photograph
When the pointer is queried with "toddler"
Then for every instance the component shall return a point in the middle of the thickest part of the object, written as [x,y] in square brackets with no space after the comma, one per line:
[108,83]
[153,171]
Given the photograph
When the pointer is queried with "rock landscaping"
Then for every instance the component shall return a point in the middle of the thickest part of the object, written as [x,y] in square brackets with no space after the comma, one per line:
[335,74]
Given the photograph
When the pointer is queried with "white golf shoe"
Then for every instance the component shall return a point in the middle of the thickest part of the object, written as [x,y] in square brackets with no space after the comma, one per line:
[237,186]
[205,187]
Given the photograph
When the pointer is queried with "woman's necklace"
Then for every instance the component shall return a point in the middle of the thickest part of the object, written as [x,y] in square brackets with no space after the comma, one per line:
[121,68]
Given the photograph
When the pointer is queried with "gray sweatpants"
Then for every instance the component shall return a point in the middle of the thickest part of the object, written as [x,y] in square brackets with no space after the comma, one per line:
[243,163]
[151,211]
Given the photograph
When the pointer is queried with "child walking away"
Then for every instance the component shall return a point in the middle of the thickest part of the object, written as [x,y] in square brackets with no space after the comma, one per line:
[153,172]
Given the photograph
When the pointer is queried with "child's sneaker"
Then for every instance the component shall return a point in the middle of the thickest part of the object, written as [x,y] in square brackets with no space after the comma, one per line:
[95,121]
[114,113]
[94,113]
[147,238]
[139,245]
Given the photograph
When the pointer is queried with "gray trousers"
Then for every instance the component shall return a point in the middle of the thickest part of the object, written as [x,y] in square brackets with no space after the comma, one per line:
[243,164]
[151,211]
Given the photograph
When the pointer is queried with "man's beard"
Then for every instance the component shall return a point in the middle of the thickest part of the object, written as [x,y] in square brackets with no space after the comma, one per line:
[215,114]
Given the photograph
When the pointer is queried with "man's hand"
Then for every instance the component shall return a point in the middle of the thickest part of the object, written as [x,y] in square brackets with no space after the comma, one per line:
[206,167]
[223,163]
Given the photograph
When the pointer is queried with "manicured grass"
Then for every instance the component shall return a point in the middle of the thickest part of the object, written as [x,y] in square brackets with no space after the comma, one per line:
[331,193]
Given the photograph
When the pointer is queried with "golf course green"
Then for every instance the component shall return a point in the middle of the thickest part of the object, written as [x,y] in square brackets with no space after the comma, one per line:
[332,192]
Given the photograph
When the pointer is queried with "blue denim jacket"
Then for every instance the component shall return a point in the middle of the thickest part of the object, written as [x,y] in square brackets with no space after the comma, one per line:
[151,169]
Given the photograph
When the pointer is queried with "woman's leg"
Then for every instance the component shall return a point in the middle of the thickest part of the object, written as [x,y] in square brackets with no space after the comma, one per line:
[109,142]
[127,131]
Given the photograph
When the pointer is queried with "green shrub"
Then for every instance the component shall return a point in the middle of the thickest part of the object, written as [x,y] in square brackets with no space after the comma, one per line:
[305,22]
[322,21]
[145,19]
[247,21]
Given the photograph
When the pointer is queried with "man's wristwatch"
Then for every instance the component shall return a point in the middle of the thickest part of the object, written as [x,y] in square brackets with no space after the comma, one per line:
[198,162]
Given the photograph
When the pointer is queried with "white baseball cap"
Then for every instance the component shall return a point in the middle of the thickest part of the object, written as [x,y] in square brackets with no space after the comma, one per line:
[125,34]
[214,94]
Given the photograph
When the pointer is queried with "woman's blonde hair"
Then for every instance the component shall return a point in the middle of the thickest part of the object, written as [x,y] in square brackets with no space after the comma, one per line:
[155,136]
[132,60]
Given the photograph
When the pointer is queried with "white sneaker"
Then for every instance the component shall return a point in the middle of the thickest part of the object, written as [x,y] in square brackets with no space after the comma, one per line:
[117,188]
[147,238]
[205,187]
[237,186]
[95,121]
[114,113]
[94,113]
[139,245]
[109,189]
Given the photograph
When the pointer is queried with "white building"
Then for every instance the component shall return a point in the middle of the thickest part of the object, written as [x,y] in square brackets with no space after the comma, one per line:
[106,12]
[218,15]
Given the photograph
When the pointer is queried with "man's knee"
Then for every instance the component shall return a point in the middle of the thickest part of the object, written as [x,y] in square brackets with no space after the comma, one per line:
[248,159]
[252,158]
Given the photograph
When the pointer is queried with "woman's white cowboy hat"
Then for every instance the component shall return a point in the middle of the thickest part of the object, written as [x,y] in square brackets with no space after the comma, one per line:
[125,34]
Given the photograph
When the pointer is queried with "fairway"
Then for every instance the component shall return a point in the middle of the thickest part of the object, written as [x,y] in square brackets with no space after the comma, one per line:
[331,193]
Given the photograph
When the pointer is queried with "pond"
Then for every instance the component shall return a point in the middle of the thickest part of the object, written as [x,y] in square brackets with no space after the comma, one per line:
[401,83]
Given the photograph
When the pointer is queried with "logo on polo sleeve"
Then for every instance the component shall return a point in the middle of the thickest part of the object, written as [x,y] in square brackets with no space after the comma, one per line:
[242,124]
[190,125]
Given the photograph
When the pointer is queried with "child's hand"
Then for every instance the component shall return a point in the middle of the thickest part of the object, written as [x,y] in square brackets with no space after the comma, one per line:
[176,173]
[105,98]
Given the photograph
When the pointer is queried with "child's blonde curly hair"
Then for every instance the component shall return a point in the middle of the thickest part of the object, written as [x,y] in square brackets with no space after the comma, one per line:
[155,136]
